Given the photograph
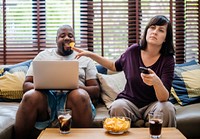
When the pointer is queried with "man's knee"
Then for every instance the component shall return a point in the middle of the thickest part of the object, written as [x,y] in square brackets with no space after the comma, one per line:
[78,97]
[32,97]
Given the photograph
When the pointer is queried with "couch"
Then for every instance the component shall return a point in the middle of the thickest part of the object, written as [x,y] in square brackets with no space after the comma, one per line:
[186,97]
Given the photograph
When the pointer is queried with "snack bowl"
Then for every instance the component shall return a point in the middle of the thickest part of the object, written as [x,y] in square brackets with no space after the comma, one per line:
[117,125]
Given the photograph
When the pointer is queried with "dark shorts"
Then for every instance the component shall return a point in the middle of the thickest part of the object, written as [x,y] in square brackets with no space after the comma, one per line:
[56,101]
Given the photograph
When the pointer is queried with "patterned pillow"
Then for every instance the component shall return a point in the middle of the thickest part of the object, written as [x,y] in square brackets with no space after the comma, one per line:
[189,63]
[172,99]
[186,84]
[11,81]
[111,85]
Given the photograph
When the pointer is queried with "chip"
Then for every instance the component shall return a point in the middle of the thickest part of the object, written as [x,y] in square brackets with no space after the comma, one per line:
[117,124]
[72,44]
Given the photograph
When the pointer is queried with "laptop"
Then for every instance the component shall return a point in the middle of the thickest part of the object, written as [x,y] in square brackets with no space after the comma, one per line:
[56,74]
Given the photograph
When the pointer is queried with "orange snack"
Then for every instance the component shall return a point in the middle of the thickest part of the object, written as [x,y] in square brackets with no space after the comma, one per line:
[117,124]
[72,44]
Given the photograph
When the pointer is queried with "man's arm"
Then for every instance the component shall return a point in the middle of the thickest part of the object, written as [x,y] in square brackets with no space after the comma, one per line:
[92,87]
[28,84]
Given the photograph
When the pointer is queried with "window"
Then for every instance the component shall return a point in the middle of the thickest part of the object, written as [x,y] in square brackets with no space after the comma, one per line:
[110,27]
[105,27]
[30,26]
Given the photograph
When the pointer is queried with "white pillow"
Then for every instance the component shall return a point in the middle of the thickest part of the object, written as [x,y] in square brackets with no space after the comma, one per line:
[112,85]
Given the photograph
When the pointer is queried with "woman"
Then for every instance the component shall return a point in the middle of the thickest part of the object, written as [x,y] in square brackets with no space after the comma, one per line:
[145,93]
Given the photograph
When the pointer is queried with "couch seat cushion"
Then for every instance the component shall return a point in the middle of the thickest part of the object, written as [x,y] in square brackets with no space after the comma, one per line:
[188,119]
[8,112]
[102,112]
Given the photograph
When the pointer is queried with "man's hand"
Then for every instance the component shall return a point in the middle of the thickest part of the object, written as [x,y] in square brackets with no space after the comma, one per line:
[28,84]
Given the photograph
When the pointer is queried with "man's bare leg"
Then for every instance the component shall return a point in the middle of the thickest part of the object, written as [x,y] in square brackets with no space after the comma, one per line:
[33,107]
[79,102]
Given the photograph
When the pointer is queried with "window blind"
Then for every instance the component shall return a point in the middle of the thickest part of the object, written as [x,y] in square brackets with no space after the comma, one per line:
[192,29]
[105,27]
[30,26]
[17,34]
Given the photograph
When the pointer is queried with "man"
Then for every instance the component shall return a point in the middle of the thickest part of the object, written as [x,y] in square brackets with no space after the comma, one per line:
[38,108]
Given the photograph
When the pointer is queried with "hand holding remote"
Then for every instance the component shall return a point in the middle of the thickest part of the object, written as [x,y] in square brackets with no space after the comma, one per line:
[144,70]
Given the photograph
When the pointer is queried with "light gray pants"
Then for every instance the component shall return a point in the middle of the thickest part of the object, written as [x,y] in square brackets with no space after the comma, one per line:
[123,107]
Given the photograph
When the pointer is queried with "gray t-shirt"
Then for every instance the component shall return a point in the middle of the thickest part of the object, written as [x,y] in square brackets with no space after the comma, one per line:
[87,68]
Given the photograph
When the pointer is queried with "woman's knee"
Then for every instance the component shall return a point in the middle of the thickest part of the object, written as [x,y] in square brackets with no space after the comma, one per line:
[168,106]
[169,118]
[117,108]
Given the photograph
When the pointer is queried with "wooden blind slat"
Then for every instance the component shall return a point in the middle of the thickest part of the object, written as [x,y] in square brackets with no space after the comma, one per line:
[105,27]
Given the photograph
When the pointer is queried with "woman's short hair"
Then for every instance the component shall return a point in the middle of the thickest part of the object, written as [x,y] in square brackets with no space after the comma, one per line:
[168,45]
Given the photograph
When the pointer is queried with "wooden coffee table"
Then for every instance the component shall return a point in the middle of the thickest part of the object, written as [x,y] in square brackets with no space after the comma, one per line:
[100,133]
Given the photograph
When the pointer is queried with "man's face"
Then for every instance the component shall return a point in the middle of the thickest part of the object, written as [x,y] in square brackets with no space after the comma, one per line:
[64,37]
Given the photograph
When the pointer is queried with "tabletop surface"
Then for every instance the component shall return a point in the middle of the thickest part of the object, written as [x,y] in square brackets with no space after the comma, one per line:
[100,133]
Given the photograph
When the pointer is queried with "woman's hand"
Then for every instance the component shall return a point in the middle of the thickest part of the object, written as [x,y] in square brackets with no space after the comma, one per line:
[81,52]
[151,78]
[109,64]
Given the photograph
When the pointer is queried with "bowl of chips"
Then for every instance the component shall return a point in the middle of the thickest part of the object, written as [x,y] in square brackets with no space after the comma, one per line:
[117,125]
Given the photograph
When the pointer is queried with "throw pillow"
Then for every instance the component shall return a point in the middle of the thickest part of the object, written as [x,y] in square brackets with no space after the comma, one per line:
[111,85]
[11,85]
[185,85]
[101,69]
[11,81]
[23,66]
[189,63]
[172,99]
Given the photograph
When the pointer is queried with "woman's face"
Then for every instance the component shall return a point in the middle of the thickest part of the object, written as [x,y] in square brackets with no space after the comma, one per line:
[156,34]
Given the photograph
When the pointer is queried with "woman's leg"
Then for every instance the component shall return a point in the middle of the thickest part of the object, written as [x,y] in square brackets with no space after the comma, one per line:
[123,107]
[168,109]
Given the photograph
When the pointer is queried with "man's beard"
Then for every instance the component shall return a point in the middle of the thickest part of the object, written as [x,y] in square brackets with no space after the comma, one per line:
[67,52]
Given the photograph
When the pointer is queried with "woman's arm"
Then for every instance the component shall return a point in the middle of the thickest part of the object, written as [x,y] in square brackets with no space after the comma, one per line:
[99,59]
[152,79]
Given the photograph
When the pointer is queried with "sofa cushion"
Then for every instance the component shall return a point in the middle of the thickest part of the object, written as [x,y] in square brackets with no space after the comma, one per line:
[185,85]
[172,99]
[188,120]
[101,69]
[11,81]
[7,116]
[111,85]
[189,63]
[11,85]
[101,113]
